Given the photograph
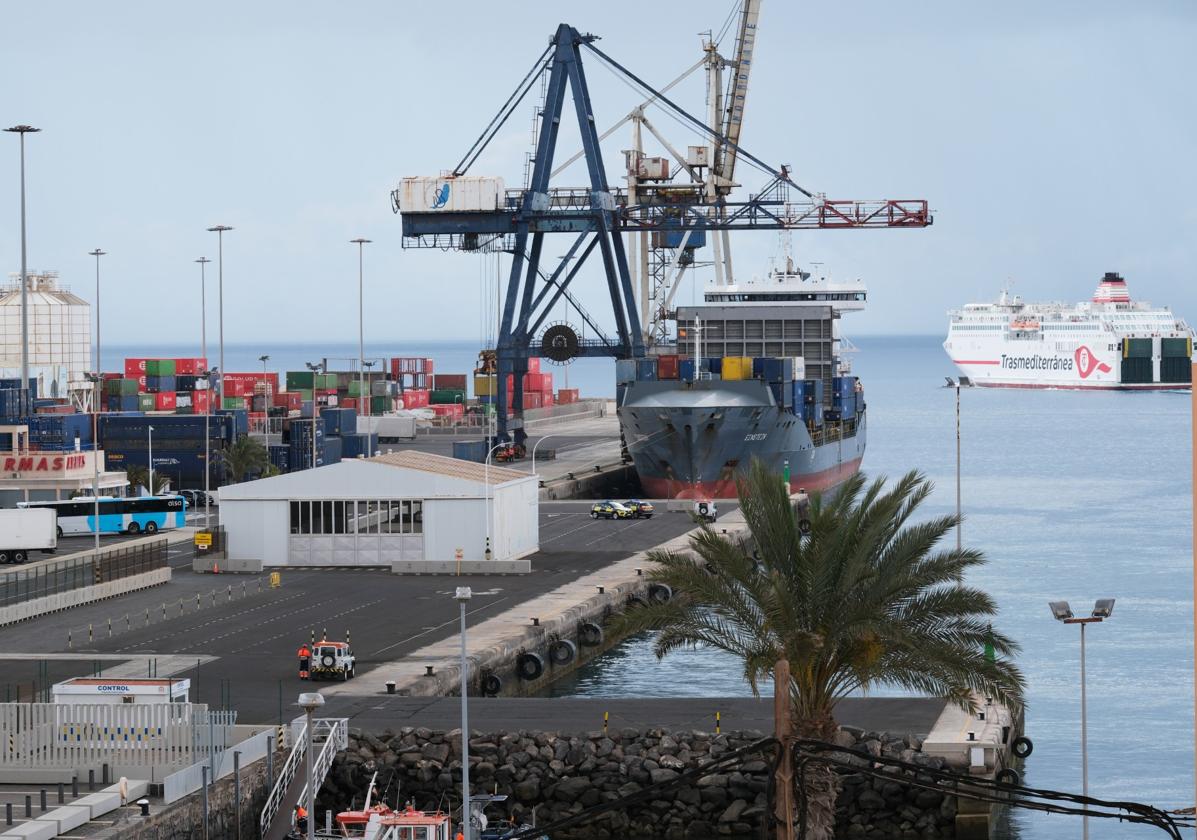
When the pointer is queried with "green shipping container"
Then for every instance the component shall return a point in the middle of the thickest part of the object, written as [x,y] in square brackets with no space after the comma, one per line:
[325,380]
[305,393]
[1175,347]
[146,402]
[159,367]
[121,387]
[300,380]
[1136,348]
[355,388]
[378,405]
[446,396]
[234,402]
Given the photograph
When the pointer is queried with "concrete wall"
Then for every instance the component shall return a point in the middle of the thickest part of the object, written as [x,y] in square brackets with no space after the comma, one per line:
[82,595]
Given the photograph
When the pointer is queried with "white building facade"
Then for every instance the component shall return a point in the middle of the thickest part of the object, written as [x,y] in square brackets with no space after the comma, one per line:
[414,512]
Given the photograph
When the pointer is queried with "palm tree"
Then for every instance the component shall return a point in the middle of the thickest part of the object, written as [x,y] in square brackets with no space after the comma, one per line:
[138,476]
[244,457]
[867,600]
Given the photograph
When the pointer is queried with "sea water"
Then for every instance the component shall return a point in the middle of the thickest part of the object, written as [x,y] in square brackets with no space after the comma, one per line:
[1070,495]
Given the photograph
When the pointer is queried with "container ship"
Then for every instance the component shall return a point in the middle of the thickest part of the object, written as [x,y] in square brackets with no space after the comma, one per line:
[1107,343]
[758,373]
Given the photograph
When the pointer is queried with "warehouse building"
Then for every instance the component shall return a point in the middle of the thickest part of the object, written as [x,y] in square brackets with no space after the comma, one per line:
[414,512]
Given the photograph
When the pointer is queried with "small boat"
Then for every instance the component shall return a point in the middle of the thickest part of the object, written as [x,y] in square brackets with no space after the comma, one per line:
[352,823]
[501,830]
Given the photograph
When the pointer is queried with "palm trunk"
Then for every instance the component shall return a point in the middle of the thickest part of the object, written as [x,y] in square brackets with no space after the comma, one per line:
[818,784]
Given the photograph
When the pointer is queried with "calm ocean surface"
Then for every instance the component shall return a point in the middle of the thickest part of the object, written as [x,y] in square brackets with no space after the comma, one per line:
[1070,495]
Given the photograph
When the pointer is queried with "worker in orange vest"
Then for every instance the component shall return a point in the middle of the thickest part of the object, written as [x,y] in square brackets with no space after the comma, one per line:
[301,819]
[305,659]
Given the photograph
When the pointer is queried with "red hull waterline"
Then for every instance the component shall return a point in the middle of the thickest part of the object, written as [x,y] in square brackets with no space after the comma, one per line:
[1174,386]
[664,488]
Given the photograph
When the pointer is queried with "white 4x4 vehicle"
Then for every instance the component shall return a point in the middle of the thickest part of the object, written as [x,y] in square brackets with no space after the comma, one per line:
[332,660]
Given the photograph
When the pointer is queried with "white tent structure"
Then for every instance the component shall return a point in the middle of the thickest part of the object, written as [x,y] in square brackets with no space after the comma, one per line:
[412,511]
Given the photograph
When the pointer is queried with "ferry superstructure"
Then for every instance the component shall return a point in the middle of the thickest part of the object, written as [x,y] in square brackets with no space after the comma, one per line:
[1108,342]
[757,373]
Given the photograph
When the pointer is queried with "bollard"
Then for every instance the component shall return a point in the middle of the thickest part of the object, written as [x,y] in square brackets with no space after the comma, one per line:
[606,717]
[144,805]
[110,626]
[69,643]
[61,793]
[128,624]
[8,813]
[230,591]
[42,803]
[717,719]
[164,611]
[147,616]
[328,822]
[91,780]
[74,787]
[197,600]
[181,604]
[90,635]
[28,806]
[213,597]
[104,775]
[242,589]
[390,686]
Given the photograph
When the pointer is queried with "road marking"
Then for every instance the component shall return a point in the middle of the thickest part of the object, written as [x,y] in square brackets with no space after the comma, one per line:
[437,627]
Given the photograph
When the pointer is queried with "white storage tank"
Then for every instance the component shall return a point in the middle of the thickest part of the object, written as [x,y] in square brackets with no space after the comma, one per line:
[59,333]
[461,194]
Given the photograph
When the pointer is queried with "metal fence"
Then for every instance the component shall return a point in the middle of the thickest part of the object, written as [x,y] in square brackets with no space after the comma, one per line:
[60,735]
[57,576]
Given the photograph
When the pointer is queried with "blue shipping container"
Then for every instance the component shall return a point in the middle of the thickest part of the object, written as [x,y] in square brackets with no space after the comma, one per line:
[240,419]
[280,456]
[135,427]
[339,421]
[773,370]
[156,384]
[685,369]
[813,391]
[470,450]
[782,394]
[646,370]
[15,385]
[798,391]
[356,445]
[332,450]
[715,365]
[625,370]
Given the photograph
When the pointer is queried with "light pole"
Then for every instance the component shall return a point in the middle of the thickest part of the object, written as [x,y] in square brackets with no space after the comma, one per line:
[151,460]
[361,341]
[487,554]
[266,401]
[23,130]
[219,231]
[310,701]
[203,261]
[369,366]
[538,443]
[462,596]
[313,367]
[97,253]
[1102,610]
[955,383]
[207,374]
[95,378]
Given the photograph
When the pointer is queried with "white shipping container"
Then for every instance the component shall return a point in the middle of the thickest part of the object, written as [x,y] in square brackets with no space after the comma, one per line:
[27,529]
[388,427]
[465,194]
[799,368]
[698,155]
[654,168]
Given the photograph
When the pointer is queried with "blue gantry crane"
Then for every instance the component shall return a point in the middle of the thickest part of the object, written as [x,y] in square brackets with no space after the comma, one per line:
[456,211]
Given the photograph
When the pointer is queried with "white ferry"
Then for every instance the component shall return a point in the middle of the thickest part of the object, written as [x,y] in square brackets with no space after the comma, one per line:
[1109,342]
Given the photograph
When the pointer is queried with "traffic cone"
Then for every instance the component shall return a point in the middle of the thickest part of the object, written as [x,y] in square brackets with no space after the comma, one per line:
[215,567]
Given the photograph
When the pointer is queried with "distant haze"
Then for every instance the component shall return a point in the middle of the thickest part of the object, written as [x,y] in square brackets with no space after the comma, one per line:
[1055,141]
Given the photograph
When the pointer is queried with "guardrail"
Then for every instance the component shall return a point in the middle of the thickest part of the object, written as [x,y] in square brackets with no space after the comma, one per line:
[334,732]
[191,778]
[54,578]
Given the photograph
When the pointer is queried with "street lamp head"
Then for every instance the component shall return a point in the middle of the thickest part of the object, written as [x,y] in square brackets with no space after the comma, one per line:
[263,358]
[309,701]
[462,594]
[203,260]
[1104,608]
[1060,610]
[361,241]
[23,129]
[219,229]
[96,253]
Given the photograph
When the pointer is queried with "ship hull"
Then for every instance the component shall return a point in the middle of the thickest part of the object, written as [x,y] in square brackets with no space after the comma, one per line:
[695,439]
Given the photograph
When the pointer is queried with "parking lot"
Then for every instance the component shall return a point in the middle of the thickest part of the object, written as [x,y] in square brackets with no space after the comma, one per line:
[239,636]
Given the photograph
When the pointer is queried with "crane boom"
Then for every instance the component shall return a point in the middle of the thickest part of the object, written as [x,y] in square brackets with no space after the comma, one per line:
[737,89]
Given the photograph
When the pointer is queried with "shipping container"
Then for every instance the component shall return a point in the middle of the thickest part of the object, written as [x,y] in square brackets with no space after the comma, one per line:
[358,445]
[159,367]
[625,370]
[147,402]
[135,368]
[201,401]
[813,391]
[470,450]
[124,402]
[280,456]
[446,397]
[121,387]
[736,367]
[798,394]
[414,399]
[646,370]
[783,393]
[455,381]
[715,365]
[667,366]
[686,369]
[240,420]
[190,367]
[458,194]
[566,396]
[164,401]
[540,382]
[154,384]
[533,399]
[15,385]
[453,410]
[534,364]
[182,399]
[332,450]
[674,238]
[484,384]
[300,379]
[338,421]
[381,405]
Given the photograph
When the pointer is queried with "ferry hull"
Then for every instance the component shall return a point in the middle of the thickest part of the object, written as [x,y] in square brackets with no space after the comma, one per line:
[692,440]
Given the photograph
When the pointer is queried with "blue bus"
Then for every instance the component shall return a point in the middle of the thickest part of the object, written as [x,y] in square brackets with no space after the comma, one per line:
[134,515]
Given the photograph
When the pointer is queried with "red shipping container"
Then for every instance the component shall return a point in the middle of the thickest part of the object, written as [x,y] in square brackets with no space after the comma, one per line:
[538,382]
[567,395]
[448,410]
[201,401]
[107,376]
[417,398]
[547,399]
[164,400]
[190,367]
[349,402]
[428,366]
[534,365]
[134,368]
[449,380]
[667,367]
[533,399]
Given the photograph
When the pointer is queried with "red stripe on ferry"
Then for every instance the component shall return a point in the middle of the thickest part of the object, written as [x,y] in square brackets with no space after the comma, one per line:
[975,362]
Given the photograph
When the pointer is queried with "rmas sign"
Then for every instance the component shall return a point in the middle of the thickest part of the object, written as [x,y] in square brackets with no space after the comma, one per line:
[38,465]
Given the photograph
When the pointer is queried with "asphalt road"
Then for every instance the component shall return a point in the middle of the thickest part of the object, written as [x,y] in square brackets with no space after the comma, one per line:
[254,631]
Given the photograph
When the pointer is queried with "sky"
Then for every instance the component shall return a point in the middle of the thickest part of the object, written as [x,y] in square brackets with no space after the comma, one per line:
[1054,142]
